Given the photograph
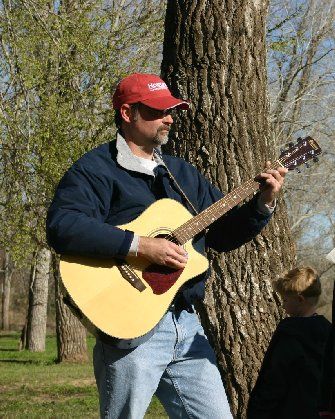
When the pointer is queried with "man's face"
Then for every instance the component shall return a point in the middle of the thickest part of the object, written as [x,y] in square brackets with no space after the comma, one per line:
[151,126]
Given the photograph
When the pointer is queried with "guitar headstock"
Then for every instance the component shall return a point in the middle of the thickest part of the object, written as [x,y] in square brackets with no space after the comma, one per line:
[304,150]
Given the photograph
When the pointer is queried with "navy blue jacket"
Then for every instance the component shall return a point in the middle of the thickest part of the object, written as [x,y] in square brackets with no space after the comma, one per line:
[97,194]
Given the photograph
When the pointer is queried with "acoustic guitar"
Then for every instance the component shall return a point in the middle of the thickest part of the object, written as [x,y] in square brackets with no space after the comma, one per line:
[126,299]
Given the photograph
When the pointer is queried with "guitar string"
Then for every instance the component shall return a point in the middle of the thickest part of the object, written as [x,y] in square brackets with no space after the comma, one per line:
[245,188]
[211,211]
[209,215]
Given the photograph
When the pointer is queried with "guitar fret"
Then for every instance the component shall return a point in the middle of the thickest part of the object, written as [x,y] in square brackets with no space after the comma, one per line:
[197,224]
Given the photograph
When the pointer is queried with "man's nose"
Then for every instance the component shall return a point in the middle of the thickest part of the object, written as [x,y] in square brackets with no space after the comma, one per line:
[168,119]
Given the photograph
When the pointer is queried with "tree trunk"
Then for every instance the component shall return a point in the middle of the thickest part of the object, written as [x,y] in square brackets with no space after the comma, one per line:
[71,334]
[38,302]
[7,275]
[214,54]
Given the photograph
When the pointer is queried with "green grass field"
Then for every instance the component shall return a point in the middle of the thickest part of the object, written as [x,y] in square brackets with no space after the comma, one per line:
[32,385]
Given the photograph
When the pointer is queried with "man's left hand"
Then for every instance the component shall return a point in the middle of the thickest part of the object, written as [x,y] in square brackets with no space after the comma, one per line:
[271,181]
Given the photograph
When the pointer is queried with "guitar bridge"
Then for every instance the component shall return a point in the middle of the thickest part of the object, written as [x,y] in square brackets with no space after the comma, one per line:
[129,275]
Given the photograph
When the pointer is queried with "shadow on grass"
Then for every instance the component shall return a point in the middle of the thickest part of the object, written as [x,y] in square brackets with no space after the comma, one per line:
[23,361]
[27,362]
[10,335]
[9,350]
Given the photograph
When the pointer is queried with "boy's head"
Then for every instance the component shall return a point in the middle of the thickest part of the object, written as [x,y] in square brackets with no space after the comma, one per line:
[300,290]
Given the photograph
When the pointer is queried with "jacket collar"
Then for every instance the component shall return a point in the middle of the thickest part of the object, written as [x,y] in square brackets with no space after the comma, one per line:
[129,161]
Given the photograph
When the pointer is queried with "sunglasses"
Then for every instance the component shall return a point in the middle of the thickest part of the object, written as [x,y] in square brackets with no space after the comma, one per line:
[155,113]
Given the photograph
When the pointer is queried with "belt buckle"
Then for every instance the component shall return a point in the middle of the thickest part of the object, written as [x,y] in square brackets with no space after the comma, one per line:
[172,307]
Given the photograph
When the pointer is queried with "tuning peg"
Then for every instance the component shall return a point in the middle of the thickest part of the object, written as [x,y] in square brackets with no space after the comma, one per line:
[307,165]
[315,159]
[291,144]
[299,140]
[298,170]
[283,150]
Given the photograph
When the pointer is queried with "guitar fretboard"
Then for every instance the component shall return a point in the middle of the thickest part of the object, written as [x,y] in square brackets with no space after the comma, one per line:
[201,221]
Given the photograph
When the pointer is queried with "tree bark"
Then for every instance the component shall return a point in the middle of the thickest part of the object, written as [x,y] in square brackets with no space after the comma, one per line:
[71,334]
[6,285]
[38,302]
[214,54]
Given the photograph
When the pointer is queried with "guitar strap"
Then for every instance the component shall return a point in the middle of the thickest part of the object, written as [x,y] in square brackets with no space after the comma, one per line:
[182,193]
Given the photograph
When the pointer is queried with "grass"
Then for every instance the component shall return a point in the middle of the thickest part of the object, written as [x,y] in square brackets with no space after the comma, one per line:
[32,385]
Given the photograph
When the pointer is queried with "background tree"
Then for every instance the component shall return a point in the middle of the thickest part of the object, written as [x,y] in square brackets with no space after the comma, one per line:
[60,61]
[214,54]
[6,273]
[34,332]
[71,335]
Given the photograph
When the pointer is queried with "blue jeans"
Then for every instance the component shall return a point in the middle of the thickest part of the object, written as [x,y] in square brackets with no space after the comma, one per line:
[177,364]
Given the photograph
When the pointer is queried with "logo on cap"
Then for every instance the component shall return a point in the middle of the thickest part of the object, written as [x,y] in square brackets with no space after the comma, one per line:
[157,86]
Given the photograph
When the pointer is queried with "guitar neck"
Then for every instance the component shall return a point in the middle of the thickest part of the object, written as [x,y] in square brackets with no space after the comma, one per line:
[297,154]
[195,225]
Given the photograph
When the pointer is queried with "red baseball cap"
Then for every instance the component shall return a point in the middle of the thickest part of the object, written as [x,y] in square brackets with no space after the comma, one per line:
[148,89]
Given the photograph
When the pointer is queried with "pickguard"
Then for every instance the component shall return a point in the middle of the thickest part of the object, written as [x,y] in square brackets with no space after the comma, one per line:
[161,278]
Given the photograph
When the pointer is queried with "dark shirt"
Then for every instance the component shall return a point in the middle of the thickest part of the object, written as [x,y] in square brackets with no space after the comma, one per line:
[327,403]
[288,385]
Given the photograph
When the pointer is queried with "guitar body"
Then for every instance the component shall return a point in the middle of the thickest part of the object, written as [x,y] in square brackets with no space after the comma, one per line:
[111,303]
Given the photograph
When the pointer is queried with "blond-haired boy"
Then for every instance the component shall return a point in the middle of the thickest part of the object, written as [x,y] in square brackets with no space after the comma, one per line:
[288,384]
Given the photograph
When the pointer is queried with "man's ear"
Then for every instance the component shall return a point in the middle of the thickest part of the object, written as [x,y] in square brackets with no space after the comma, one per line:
[125,112]
[301,298]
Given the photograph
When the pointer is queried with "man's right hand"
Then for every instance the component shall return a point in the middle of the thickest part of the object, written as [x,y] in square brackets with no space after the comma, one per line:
[162,252]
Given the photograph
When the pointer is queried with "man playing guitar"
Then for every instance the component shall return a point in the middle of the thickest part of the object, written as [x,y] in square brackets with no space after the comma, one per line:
[112,185]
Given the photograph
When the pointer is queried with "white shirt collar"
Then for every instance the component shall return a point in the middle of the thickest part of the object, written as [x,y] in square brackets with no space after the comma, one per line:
[129,161]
